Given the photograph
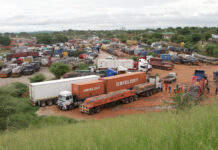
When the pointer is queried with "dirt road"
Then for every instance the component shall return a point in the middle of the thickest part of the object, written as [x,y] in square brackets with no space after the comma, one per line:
[153,103]
[25,79]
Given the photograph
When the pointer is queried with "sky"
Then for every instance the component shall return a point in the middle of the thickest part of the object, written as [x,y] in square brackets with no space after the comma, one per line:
[56,15]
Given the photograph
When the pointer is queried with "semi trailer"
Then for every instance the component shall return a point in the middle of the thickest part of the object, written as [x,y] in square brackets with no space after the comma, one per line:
[47,92]
[160,64]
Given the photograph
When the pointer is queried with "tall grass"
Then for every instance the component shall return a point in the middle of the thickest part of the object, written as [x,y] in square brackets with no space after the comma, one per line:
[195,129]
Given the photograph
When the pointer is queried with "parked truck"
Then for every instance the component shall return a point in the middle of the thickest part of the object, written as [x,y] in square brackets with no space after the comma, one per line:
[160,64]
[198,85]
[17,72]
[5,73]
[107,88]
[114,63]
[46,93]
[170,78]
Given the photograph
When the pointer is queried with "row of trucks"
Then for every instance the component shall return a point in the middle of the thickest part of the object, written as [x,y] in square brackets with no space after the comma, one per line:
[92,93]
[15,70]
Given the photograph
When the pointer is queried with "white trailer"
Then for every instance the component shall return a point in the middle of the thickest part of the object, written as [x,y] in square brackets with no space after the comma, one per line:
[46,93]
[114,63]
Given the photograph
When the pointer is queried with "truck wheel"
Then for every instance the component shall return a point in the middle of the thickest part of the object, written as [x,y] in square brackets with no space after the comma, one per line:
[49,102]
[70,107]
[91,111]
[131,99]
[97,109]
[42,104]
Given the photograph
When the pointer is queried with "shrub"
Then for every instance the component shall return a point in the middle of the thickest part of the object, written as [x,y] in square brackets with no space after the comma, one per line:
[17,89]
[37,78]
[59,69]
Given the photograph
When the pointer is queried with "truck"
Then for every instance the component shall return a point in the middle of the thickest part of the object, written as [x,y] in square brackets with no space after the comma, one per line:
[122,96]
[29,69]
[198,85]
[140,65]
[82,92]
[114,63]
[160,64]
[17,72]
[170,78]
[5,73]
[47,92]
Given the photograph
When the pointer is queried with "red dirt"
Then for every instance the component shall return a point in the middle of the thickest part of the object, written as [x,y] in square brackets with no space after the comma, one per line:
[153,103]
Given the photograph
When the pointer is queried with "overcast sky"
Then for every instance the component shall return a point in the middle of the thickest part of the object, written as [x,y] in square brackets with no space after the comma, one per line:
[40,15]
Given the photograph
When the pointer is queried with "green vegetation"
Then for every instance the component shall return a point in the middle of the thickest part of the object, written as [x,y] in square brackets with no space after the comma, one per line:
[50,39]
[211,49]
[135,58]
[59,69]
[83,66]
[195,129]
[37,78]
[5,40]
[16,112]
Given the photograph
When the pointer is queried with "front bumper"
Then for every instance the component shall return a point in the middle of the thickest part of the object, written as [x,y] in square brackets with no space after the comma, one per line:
[84,109]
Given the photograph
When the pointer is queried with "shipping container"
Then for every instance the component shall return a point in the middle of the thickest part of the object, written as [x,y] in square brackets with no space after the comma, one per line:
[124,81]
[165,57]
[88,89]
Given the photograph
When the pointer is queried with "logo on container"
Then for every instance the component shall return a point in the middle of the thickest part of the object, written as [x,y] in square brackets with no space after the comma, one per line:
[126,82]
[91,89]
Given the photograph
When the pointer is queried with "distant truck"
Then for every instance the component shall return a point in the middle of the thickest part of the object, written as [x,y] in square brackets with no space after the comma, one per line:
[170,78]
[17,72]
[160,64]
[5,73]
[46,93]
[198,85]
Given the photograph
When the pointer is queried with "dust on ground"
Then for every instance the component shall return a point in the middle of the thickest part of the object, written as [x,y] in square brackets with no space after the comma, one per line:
[25,78]
[154,103]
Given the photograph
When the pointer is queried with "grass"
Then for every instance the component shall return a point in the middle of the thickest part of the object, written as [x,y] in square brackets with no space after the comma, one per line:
[190,130]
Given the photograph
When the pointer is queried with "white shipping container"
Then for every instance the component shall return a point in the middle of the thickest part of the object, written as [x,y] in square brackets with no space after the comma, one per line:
[113,64]
[50,89]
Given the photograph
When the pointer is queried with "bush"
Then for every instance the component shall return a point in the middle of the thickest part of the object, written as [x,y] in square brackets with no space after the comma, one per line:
[17,89]
[152,54]
[135,58]
[59,69]
[37,78]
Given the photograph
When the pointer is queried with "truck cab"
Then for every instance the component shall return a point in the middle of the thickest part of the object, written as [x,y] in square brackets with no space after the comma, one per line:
[65,100]
[29,69]
[143,65]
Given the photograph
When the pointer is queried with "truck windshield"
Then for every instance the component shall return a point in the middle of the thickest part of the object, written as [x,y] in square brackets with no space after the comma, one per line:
[62,98]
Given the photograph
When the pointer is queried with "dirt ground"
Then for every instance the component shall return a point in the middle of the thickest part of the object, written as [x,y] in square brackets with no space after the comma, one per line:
[25,79]
[153,103]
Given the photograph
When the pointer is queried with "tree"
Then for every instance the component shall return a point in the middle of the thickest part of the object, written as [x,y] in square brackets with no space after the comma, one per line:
[195,37]
[5,40]
[60,38]
[44,39]
[59,69]
[37,78]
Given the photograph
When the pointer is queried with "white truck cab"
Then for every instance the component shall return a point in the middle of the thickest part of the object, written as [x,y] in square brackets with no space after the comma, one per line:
[65,99]
[143,65]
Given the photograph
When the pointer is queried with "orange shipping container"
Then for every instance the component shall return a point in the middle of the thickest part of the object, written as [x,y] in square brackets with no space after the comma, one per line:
[88,89]
[123,81]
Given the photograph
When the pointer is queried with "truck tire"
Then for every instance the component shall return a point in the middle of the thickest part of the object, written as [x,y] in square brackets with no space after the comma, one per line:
[49,102]
[70,107]
[131,99]
[91,111]
[97,109]
[42,104]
